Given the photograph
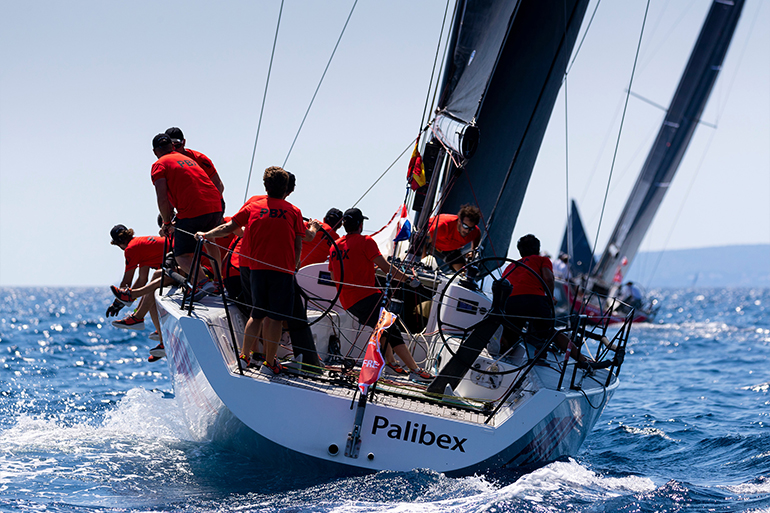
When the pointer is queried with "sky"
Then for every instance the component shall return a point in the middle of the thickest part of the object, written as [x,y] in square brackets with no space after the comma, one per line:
[86,84]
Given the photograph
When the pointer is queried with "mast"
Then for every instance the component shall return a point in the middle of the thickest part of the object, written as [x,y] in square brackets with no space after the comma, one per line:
[673,138]
[503,74]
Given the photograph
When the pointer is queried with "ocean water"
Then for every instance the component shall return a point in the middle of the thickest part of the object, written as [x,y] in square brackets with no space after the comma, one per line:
[88,424]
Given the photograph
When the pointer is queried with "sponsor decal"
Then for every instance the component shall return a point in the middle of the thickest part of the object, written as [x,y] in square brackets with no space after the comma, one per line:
[188,163]
[277,213]
[416,434]
[342,255]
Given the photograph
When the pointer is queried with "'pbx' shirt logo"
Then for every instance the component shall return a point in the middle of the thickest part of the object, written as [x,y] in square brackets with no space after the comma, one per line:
[341,254]
[277,213]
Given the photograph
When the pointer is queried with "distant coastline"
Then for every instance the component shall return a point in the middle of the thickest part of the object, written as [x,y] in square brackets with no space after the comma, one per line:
[723,266]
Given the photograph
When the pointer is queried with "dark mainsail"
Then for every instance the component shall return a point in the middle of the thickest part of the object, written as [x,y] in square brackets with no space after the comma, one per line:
[581,261]
[507,63]
[673,138]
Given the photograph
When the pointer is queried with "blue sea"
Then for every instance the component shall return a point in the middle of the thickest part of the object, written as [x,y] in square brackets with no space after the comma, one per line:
[88,424]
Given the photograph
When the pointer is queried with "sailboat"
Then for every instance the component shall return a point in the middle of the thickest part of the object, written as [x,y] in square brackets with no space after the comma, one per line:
[676,132]
[488,407]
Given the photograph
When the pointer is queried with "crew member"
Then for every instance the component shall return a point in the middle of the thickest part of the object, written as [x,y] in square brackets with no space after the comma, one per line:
[448,234]
[142,253]
[528,302]
[272,244]
[182,184]
[359,295]
[177,138]
[316,250]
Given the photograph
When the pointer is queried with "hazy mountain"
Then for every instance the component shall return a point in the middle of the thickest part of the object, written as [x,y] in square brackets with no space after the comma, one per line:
[725,266]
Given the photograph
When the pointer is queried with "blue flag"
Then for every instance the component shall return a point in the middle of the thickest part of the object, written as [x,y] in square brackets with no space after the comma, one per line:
[405,232]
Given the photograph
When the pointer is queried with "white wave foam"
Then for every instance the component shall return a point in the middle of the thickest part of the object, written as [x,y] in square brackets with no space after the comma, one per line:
[762,487]
[540,486]
[648,431]
[761,387]
[148,414]
[140,414]
[572,477]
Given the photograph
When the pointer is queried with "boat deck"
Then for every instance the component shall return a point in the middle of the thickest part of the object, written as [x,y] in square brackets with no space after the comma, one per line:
[395,392]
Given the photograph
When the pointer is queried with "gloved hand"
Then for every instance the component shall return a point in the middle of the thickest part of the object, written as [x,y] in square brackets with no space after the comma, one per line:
[114,308]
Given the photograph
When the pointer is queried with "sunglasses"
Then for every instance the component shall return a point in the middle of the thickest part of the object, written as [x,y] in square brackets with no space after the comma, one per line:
[466,226]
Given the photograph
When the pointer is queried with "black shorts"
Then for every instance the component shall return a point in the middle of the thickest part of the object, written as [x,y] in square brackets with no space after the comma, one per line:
[531,309]
[184,243]
[450,258]
[367,311]
[272,294]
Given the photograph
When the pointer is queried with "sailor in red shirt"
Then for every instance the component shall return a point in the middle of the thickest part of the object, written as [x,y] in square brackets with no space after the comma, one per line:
[528,302]
[448,234]
[360,296]
[177,137]
[143,253]
[273,233]
[316,250]
[182,184]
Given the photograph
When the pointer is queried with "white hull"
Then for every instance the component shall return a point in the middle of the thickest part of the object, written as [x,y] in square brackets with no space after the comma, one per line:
[304,422]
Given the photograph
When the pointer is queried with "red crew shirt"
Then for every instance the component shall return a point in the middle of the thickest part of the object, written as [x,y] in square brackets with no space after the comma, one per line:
[144,252]
[235,257]
[243,221]
[524,283]
[358,254]
[202,160]
[223,243]
[272,225]
[317,250]
[190,190]
[446,237]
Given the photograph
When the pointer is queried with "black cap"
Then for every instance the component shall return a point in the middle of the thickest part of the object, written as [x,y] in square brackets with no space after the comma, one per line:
[355,215]
[333,217]
[160,140]
[115,233]
[175,134]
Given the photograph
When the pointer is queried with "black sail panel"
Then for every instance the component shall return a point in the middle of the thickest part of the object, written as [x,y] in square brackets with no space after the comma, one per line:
[483,26]
[514,114]
[581,258]
[673,138]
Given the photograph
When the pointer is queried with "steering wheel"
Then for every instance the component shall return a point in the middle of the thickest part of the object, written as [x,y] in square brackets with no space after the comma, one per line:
[319,301]
[492,266]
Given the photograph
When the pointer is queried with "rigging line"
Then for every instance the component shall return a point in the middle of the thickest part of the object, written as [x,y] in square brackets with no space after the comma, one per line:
[662,42]
[320,82]
[262,109]
[384,173]
[447,46]
[664,109]
[588,27]
[566,143]
[620,130]
[433,71]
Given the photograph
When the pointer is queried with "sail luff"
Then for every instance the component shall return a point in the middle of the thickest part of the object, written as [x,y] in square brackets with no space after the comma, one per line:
[674,136]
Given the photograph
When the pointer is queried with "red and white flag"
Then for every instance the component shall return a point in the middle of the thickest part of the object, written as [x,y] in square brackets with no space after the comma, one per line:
[373,363]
